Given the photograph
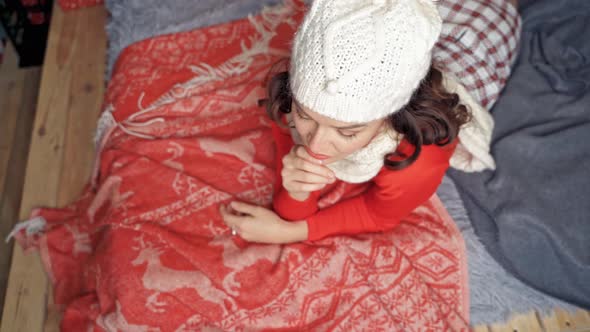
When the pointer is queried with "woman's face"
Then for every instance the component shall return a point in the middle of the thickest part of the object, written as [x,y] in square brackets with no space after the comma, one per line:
[328,139]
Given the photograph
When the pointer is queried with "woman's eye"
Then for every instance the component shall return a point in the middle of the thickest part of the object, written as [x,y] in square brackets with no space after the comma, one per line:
[301,116]
[348,135]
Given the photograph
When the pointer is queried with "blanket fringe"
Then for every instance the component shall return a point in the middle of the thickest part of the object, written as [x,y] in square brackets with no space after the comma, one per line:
[32,226]
[271,17]
[205,73]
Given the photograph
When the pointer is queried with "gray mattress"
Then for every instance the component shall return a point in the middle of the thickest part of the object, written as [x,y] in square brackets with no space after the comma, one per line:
[494,292]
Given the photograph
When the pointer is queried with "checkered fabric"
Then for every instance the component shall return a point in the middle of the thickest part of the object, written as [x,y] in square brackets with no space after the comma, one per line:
[478,44]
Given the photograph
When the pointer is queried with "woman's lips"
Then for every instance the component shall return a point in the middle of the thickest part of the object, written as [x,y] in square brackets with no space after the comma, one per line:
[315,155]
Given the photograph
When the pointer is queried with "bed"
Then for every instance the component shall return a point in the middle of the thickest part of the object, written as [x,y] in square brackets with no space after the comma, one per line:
[62,155]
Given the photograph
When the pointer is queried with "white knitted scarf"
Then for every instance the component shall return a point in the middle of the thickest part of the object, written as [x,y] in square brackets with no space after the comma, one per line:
[471,155]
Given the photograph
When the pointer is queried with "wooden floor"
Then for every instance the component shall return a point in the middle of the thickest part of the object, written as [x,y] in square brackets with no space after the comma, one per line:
[60,160]
[61,151]
[18,99]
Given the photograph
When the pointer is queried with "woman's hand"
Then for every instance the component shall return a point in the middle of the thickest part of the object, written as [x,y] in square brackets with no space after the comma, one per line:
[258,224]
[303,174]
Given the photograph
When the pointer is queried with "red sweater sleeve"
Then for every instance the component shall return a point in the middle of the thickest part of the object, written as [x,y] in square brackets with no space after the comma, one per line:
[391,196]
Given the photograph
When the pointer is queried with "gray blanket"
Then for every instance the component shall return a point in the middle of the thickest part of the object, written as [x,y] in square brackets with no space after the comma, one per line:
[533,212]
[494,293]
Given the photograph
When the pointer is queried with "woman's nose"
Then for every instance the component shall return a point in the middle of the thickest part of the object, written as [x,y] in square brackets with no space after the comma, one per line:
[317,141]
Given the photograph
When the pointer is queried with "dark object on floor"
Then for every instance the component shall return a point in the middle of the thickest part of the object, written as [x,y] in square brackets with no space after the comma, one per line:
[26,23]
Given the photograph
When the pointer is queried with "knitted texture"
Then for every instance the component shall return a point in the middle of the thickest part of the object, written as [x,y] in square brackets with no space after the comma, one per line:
[357,60]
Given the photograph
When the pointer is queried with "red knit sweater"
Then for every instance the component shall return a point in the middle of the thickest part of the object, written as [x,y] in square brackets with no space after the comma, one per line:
[390,196]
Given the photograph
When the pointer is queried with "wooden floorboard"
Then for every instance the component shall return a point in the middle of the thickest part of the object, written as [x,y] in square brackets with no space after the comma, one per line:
[61,156]
[520,323]
[69,102]
[18,97]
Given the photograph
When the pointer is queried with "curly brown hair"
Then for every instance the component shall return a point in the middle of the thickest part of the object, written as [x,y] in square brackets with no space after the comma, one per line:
[432,116]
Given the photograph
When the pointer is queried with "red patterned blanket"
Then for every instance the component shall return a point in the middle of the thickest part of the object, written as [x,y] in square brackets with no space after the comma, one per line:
[144,248]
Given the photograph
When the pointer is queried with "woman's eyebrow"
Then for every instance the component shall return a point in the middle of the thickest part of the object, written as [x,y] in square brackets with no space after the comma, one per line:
[358,125]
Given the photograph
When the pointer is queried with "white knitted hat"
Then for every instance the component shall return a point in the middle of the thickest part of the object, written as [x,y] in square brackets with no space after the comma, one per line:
[360,60]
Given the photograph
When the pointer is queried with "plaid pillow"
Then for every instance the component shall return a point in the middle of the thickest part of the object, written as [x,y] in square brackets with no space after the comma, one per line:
[479,44]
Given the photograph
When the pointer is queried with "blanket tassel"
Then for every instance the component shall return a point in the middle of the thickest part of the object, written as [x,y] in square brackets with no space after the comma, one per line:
[32,226]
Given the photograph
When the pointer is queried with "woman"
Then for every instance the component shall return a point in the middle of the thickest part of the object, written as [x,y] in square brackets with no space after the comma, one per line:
[365,111]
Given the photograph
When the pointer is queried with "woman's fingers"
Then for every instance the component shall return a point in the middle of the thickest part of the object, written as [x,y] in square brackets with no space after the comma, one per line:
[302,173]
[320,170]
[295,180]
[299,159]
[306,187]
[232,220]
[299,151]
[245,208]
[298,175]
